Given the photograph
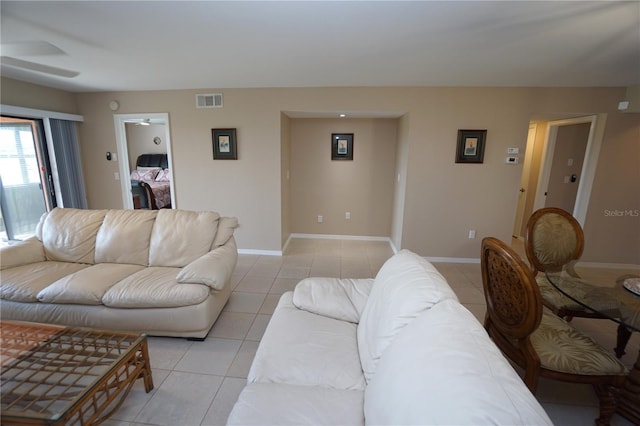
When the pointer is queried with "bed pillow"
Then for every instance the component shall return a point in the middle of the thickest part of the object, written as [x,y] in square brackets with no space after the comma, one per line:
[163,176]
[146,175]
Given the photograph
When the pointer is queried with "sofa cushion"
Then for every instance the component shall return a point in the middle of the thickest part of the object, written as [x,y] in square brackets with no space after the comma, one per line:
[280,404]
[154,287]
[226,227]
[213,269]
[179,237]
[340,298]
[87,286]
[23,283]
[30,250]
[456,376]
[124,237]
[405,286]
[69,235]
[302,348]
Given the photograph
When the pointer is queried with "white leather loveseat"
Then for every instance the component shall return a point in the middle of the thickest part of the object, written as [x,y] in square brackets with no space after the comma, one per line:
[163,272]
[397,350]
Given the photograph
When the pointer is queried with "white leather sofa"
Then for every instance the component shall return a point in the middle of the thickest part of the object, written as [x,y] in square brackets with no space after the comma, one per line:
[163,272]
[397,350]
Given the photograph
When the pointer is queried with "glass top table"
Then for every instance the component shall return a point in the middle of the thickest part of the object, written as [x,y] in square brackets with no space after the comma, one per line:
[619,303]
[66,375]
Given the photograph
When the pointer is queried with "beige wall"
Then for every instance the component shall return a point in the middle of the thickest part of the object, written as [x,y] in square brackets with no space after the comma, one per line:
[18,93]
[612,226]
[402,158]
[363,187]
[442,201]
[285,174]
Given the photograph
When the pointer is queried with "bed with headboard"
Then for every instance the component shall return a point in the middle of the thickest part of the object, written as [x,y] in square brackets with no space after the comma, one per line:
[151,182]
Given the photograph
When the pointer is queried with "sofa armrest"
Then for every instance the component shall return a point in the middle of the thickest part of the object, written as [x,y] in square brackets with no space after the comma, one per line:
[339,298]
[28,251]
[213,269]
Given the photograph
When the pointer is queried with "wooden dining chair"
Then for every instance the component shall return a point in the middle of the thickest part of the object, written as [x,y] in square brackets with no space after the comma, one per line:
[541,343]
[554,242]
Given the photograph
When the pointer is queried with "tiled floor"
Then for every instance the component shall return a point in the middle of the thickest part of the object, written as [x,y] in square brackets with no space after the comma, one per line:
[197,383]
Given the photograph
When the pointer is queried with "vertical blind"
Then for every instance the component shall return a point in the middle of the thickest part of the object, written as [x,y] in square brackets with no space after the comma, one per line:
[64,138]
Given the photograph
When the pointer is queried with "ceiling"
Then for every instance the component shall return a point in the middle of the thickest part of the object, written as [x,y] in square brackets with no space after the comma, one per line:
[157,45]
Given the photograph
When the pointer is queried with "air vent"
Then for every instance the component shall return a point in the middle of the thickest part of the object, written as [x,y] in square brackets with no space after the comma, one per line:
[209,100]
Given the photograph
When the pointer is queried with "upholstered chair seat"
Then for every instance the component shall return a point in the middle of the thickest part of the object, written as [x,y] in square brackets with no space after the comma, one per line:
[562,348]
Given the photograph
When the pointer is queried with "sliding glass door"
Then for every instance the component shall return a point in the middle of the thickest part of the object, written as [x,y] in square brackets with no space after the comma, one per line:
[25,182]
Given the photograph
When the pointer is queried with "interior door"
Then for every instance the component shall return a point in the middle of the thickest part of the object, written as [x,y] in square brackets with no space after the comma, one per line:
[26,190]
[524,182]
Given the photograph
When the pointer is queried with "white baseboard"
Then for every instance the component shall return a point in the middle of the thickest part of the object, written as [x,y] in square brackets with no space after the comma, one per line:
[260,252]
[339,237]
[354,238]
[608,265]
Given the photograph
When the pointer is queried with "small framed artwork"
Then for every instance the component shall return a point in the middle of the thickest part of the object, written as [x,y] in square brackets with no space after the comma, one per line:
[342,146]
[224,144]
[470,146]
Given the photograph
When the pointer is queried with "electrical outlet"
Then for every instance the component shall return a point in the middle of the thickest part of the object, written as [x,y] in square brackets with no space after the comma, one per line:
[320,218]
[472,234]
[347,215]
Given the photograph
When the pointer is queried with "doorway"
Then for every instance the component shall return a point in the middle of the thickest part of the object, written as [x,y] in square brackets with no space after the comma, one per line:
[542,159]
[26,189]
[566,166]
[121,121]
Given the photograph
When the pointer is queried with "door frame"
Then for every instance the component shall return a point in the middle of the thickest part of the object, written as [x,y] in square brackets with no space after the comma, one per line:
[123,153]
[592,152]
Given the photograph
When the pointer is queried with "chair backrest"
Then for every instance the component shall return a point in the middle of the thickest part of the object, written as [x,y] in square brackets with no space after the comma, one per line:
[514,304]
[554,239]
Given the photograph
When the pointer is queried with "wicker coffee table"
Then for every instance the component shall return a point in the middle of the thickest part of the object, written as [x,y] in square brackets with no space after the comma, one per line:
[65,375]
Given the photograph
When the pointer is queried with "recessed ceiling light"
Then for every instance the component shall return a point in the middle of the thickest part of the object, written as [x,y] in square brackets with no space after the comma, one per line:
[343,115]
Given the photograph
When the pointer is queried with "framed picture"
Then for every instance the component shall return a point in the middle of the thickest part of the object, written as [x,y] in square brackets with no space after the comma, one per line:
[224,144]
[342,146]
[470,146]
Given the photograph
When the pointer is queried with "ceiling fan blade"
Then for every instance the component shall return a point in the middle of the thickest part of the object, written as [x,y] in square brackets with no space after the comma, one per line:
[30,48]
[46,69]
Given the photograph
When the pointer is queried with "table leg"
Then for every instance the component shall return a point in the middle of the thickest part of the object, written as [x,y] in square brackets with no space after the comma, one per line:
[146,372]
[629,398]
[623,338]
